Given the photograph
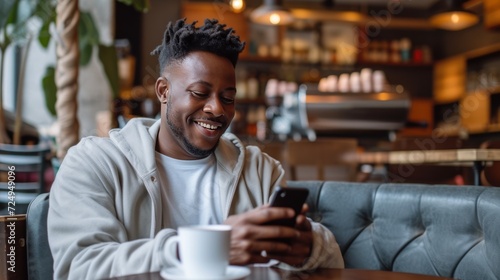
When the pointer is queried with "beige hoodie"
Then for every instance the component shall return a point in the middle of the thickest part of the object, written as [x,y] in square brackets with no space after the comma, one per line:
[105,206]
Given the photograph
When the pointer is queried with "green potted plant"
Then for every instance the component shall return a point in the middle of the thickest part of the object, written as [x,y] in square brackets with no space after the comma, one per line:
[14,18]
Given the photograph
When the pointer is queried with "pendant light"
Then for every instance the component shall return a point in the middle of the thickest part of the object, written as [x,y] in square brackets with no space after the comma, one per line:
[272,12]
[454,17]
[237,5]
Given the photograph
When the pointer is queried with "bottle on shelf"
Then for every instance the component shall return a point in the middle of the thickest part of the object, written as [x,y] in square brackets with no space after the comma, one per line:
[261,123]
[395,52]
[252,87]
[241,85]
[405,47]
[251,122]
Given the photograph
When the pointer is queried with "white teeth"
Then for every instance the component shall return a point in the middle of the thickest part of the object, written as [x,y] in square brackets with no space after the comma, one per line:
[208,126]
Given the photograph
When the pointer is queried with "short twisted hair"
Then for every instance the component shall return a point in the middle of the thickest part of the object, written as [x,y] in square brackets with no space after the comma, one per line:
[181,38]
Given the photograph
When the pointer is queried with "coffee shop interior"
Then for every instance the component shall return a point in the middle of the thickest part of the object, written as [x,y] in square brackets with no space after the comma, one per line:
[345,90]
[387,110]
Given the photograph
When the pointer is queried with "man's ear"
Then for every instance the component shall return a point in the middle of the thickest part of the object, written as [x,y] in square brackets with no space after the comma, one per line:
[161,89]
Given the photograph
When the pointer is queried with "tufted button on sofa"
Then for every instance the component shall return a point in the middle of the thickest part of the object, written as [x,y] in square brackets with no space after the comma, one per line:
[440,230]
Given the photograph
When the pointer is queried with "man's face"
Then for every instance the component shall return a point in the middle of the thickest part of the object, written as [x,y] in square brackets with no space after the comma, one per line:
[199,92]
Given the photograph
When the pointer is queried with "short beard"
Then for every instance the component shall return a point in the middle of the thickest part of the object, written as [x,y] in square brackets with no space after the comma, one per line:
[177,131]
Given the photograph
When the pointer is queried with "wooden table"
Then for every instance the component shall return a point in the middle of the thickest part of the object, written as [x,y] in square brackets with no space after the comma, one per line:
[476,158]
[266,273]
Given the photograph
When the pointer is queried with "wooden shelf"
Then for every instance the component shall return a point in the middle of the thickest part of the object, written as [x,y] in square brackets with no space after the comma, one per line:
[493,127]
[392,64]
[490,128]
[493,90]
[274,60]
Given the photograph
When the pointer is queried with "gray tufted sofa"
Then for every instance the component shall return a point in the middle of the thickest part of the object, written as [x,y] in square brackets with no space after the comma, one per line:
[440,230]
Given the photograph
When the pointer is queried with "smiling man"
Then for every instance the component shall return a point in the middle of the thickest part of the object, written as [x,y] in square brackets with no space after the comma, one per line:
[115,201]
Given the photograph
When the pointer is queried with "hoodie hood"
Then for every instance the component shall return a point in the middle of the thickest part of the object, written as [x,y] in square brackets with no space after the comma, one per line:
[137,141]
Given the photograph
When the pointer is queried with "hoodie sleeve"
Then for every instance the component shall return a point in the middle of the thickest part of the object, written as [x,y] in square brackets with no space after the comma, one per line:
[87,234]
[325,253]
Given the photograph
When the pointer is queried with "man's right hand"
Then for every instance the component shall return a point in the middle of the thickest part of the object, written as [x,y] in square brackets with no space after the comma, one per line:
[250,238]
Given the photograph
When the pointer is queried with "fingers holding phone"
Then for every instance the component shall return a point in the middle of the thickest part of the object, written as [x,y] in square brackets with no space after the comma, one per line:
[302,223]
[279,229]
[250,237]
[301,245]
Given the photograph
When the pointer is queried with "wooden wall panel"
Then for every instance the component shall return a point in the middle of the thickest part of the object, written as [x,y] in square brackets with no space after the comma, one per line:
[475,111]
[421,110]
[491,14]
[450,79]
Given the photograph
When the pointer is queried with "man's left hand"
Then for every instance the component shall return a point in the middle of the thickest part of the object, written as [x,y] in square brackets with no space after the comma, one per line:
[301,245]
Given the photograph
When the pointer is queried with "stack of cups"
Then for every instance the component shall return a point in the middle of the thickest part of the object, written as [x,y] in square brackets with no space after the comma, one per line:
[366,80]
[328,84]
[355,82]
[343,83]
[378,81]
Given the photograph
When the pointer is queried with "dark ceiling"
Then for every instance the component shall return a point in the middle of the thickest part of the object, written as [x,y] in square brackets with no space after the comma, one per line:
[398,8]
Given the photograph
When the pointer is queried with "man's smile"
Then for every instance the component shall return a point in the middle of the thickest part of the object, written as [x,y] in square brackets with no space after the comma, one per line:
[207,125]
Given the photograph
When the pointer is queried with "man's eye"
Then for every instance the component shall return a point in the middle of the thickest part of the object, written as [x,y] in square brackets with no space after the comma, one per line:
[227,100]
[198,94]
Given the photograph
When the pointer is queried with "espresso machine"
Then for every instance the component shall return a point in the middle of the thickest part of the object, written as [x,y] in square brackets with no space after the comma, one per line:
[309,112]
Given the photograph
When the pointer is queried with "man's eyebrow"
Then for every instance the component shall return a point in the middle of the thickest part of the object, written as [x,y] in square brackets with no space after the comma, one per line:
[207,84]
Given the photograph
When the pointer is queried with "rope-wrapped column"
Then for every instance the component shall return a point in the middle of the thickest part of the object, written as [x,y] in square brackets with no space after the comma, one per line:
[68,15]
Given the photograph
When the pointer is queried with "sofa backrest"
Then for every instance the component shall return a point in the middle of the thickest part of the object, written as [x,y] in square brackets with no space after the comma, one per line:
[40,259]
[440,230]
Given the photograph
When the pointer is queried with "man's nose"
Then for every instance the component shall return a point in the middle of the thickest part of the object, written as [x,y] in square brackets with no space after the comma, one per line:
[214,107]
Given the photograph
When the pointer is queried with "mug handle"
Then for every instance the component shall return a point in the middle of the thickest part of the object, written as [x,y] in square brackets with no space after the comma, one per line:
[170,252]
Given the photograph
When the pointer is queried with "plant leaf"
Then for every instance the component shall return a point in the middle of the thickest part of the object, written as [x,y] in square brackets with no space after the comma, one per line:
[139,5]
[44,34]
[6,7]
[20,14]
[109,60]
[126,2]
[88,37]
[26,10]
[85,53]
[87,30]
[12,19]
[50,89]
[46,11]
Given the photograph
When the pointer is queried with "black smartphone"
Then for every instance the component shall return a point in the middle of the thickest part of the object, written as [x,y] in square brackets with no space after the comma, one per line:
[291,198]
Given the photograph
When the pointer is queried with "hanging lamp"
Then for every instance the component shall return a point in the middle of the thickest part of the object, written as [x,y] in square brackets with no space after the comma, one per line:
[454,17]
[272,12]
[237,6]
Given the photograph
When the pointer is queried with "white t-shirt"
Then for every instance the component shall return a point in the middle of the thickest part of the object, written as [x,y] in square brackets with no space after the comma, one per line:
[189,193]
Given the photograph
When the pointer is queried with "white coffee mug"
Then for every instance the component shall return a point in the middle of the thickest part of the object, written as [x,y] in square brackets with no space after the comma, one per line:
[203,250]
